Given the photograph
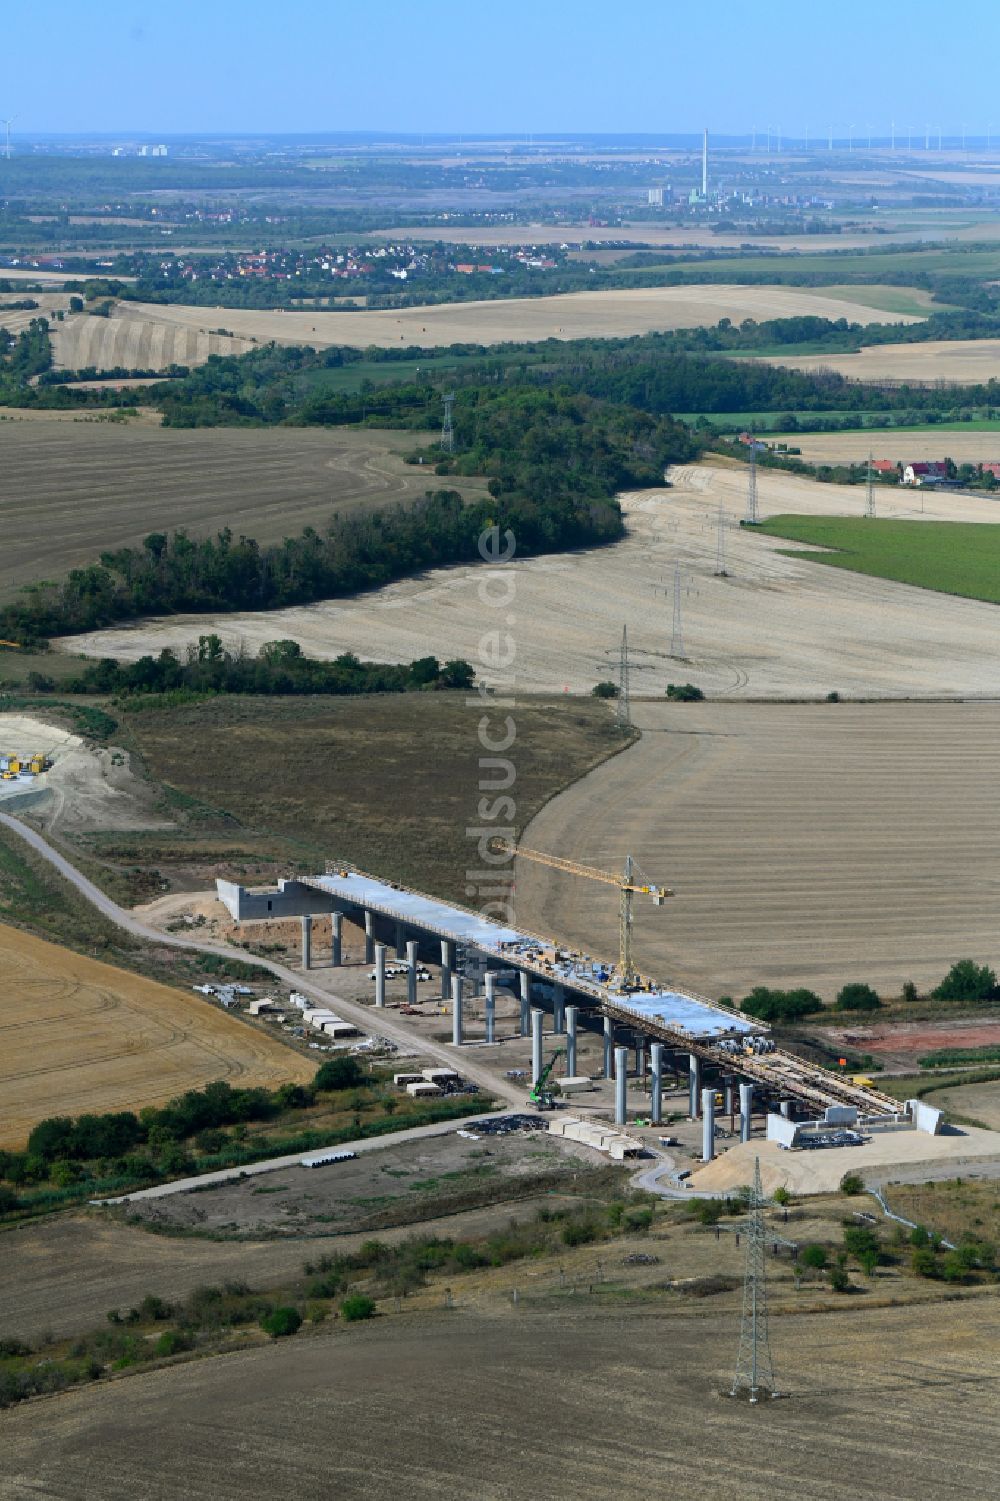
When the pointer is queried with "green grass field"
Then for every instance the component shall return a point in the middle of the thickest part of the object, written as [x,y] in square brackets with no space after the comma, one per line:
[845,265]
[951,557]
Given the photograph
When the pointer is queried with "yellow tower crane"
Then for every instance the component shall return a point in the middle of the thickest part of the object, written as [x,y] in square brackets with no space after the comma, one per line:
[629,882]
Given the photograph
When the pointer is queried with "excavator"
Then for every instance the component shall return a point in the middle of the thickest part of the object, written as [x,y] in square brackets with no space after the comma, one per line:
[541,1095]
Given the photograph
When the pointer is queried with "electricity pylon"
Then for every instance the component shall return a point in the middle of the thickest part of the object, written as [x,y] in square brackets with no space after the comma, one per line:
[869,490]
[623,708]
[720,546]
[752,516]
[754,1369]
[447,426]
[677,628]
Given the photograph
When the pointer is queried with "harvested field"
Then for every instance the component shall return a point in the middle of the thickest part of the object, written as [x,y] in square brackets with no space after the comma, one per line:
[903,1044]
[656,235]
[103,485]
[129,339]
[976,1102]
[968,447]
[774,625]
[903,1398]
[891,1155]
[959,360]
[808,845]
[572,315]
[79,1036]
[15,319]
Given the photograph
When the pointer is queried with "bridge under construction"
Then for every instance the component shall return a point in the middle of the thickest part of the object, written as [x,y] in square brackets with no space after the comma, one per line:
[477,954]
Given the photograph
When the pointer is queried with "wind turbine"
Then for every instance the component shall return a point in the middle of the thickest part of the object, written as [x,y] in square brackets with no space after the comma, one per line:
[7,125]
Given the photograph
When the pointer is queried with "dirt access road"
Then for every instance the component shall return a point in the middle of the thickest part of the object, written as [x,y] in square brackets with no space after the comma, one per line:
[772,627]
[319,983]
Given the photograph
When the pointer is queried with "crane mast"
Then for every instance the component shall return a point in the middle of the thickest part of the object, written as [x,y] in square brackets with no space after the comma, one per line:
[629,882]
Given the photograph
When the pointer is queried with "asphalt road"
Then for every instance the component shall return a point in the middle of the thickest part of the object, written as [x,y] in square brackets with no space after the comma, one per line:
[311,982]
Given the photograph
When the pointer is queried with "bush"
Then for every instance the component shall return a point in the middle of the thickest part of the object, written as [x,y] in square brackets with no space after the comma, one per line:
[857,997]
[910,991]
[281,1322]
[578,1233]
[339,1073]
[967,981]
[852,1184]
[840,1282]
[814,1257]
[171,1342]
[605,690]
[684,693]
[357,1307]
[781,1195]
[923,1262]
[781,1005]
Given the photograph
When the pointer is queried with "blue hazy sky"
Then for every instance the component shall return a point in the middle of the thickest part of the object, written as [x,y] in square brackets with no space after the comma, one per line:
[498,65]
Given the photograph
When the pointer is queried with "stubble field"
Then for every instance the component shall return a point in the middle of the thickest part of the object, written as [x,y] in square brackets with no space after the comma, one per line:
[103,485]
[79,1036]
[774,625]
[561,1403]
[968,447]
[141,334]
[808,844]
[960,360]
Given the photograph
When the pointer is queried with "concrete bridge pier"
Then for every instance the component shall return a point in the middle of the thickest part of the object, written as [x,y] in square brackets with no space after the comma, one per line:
[621,1082]
[491,1006]
[708,1125]
[447,966]
[456,1010]
[537,1018]
[380,975]
[524,980]
[307,942]
[369,938]
[656,1084]
[411,973]
[694,1085]
[337,940]
[609,1042]
[572,1012]
[746,1111]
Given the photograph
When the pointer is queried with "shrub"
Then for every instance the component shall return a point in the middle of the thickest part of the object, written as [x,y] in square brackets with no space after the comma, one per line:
[857,997]
[638,1219]
[852,1184]
[965,981]
[171,1342]
[357,1307]
[923,1262]
[339,1073]
[281,1322]
[814,1257]
[578,1233]
[781,1195]
[909,991]
[840,1282]
[780,1005]
[860,1242]
[605,690]
[684,693]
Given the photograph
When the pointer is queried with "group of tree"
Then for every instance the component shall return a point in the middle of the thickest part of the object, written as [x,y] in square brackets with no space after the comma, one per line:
[279,668]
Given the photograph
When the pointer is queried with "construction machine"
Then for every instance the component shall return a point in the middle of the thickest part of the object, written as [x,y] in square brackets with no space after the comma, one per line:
[541,1095]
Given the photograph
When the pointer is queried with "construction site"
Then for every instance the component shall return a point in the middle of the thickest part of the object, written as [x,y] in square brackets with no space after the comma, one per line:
[603,1038]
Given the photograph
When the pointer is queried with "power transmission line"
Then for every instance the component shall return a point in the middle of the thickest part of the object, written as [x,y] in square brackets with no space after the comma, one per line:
[754,1368]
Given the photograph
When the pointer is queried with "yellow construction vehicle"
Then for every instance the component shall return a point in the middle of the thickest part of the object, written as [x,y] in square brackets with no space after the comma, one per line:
[628,883]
